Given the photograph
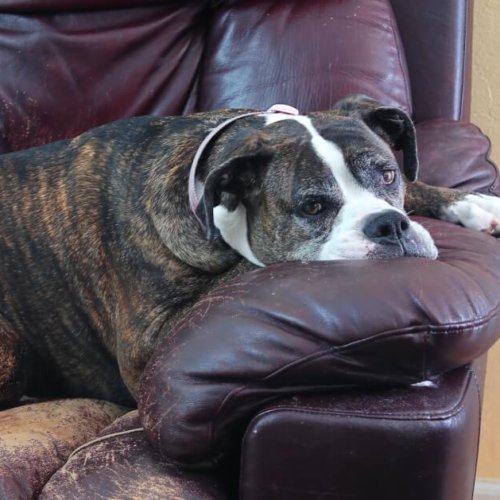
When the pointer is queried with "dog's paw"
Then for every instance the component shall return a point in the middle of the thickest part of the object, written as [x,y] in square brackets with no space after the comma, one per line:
[475,211]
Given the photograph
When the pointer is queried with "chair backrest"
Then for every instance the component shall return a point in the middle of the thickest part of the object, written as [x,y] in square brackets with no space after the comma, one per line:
[437,38]
[70,65]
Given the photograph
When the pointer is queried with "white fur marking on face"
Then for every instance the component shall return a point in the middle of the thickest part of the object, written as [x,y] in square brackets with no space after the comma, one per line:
[346,239]
[234,231]
[354,194]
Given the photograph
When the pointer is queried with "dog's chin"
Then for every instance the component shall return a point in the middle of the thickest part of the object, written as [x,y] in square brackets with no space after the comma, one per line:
[379,252]
[417,242]
[353,245]
[399,251]
[420,243]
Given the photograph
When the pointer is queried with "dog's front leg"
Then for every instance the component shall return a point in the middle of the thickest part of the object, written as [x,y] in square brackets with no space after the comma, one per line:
[472,210]
[138,338]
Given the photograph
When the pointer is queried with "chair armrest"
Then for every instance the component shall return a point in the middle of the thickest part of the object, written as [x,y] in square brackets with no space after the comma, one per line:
[413,442]
[456,155]
[318,326]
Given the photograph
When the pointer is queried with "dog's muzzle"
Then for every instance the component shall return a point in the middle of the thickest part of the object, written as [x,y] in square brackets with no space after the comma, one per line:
[394,235]
[387,228]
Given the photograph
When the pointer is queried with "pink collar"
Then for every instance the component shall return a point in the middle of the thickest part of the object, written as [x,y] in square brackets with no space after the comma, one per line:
[195,188]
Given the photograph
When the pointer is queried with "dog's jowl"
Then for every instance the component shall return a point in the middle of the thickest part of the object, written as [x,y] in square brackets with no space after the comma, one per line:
[109,238]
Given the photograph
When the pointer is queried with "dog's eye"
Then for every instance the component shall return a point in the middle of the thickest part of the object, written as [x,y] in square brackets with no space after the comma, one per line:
[389,176]
[312,208]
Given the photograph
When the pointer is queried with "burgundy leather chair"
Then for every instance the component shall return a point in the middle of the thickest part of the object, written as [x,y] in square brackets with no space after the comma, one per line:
[294,381]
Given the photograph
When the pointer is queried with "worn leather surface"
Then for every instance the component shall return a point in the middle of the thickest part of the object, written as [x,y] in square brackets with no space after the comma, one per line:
[123,464]
[307,54]
[414,443]
[322,325]
[37,438]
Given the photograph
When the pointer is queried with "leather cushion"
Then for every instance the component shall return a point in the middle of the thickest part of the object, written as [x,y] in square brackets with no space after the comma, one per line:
[307,54]
[65,70]
[456,154]
[37,438]
[121,463]
[299,327]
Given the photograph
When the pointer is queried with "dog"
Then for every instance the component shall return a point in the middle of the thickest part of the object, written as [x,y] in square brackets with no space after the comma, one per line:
[108,239]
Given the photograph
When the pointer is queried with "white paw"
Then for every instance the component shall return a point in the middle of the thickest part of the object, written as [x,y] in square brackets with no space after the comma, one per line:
[476,211]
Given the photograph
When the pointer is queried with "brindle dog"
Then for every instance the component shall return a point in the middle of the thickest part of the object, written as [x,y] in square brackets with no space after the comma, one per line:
[102,254]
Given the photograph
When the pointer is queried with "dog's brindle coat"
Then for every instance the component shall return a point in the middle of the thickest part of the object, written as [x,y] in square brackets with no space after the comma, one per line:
[101,254]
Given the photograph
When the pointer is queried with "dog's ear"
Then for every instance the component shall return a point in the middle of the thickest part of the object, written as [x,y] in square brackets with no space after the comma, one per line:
[392,124]
[237,176]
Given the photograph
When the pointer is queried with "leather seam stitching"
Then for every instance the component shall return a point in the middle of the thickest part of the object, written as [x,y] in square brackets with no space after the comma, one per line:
[445,414]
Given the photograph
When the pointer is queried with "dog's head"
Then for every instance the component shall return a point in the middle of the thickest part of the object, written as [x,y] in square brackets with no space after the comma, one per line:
[318,187]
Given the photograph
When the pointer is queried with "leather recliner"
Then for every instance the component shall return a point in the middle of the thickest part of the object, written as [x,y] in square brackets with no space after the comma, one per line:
[295,381]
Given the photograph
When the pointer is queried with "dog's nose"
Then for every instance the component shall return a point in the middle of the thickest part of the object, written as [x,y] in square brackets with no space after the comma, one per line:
[387,227]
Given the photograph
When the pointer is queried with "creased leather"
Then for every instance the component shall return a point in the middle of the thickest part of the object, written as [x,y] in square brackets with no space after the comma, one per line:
[307,54]
[67,66]
[37,438]
[437,40]
[66,72]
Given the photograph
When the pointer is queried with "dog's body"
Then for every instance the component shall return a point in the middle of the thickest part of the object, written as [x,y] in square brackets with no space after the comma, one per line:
[102,254]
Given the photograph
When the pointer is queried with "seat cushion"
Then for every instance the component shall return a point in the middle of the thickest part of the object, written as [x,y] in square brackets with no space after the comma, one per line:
[121,463]
[37,438]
